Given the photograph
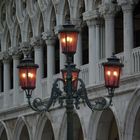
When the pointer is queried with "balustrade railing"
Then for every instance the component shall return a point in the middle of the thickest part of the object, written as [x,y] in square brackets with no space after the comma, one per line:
[136,60]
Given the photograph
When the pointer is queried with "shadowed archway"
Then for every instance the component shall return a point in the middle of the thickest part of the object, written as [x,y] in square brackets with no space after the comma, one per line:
[107,128]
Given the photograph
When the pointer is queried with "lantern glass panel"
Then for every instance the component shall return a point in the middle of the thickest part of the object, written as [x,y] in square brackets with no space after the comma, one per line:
[27,77]
[112,76]
[68,42]
[74,79]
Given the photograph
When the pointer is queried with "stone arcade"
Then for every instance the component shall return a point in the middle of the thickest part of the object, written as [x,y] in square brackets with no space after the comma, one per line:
[106,27]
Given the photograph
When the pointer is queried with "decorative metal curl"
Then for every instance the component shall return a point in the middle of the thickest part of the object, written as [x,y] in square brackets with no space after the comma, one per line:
[100,103]
[39,105]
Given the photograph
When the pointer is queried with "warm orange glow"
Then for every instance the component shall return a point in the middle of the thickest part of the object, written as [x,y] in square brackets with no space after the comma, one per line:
[30,75]
[68,40]
[115,73]
[23,75]
[108,73]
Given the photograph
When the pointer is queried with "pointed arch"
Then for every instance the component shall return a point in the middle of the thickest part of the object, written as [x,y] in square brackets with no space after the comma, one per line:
[66,11]
[53,19]
[16,35]
[4,132]
[11,13]
[103,121]
[30,31]
[41,24]
[44,127]
[2,16]
[77,127]
[20,126]
[133,108]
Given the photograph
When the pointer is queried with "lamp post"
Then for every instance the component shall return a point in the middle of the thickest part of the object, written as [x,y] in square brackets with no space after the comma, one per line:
[74,90]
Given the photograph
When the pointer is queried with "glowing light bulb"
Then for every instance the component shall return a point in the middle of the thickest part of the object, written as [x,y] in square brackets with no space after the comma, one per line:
[69,39]
[63,40]
[115,73]
[30,75]
[108,73]
[23,75]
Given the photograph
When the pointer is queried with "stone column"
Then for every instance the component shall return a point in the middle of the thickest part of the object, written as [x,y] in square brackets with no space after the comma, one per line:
[97,49]
[50,41]
[0,77]
[92,51]
[78,55]
[16,60]
[16,78]
[50,62]
[37,43]
[6,63]
[128,37]
[108,11]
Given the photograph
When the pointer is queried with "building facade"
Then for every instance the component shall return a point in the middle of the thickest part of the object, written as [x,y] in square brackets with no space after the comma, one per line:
[106,27]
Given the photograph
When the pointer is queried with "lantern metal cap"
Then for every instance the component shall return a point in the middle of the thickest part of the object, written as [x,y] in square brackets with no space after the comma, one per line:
[113,61]
[73,66]
[68,27]
[27,62]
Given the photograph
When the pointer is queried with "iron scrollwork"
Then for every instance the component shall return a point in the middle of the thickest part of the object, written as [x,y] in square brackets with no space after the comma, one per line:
[78,97]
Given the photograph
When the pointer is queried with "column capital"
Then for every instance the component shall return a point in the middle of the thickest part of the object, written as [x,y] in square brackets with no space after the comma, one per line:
[6,56]
[25,48]
[126,6]
[37,42]
[91,15]
[108,10]
[14,52]
[49,38]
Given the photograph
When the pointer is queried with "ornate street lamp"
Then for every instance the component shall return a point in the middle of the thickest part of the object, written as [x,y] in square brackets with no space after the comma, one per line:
[27,75]
[74,91]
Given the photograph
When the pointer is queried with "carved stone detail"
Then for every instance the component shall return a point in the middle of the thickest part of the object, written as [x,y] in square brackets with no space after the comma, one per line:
[91,15]
[25,48]
[49,38]
[37,42]
[6,56]
[108,10]
[15,52]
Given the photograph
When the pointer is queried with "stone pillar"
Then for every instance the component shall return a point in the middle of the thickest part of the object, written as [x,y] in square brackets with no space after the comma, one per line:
[16,78]
[0,76]
[16,60]
[97,49]
[92,51]
[109,35]
[6,63]
[108,11]
[50,41]
[128,37]
[50,62]
[37,43]
[78,55]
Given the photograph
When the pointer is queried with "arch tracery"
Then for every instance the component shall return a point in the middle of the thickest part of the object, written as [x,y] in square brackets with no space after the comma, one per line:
[20,126]
[44,128]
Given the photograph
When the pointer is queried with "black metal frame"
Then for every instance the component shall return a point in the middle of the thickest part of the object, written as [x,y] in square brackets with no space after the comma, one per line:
[72,99]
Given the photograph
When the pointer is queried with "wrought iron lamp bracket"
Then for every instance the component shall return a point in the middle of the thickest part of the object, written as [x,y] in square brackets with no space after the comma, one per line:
[56,94]
[99,103]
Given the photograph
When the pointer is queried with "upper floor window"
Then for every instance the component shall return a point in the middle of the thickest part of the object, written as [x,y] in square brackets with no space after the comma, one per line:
[136,16]
[119,32]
